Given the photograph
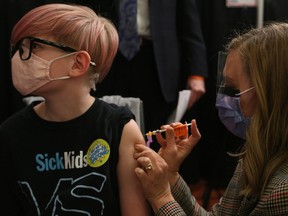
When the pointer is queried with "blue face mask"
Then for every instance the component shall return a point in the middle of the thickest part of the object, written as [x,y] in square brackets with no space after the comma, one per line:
[230,114]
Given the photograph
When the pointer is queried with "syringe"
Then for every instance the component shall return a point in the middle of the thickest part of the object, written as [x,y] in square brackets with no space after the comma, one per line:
[179,130]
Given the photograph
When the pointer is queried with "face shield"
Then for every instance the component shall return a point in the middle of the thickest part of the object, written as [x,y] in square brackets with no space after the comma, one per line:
[220,68]
[228,102]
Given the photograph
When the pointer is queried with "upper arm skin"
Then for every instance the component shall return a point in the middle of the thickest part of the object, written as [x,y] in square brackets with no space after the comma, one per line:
[131,197]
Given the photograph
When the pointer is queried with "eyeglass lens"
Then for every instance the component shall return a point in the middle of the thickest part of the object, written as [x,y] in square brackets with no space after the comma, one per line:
[25,46]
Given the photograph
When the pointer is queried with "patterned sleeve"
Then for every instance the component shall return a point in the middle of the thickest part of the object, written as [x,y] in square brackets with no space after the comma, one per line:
[171,209]
[184,204]
[277,200]
[183,196]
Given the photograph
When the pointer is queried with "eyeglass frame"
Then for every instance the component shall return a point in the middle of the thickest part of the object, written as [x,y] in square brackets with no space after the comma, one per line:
[232,92]
[13,49]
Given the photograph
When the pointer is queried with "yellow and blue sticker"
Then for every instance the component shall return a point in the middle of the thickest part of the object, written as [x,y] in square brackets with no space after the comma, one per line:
[98,153]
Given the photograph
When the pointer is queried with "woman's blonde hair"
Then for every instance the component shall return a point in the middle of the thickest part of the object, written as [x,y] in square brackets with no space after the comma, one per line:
[264,52]
[72,25]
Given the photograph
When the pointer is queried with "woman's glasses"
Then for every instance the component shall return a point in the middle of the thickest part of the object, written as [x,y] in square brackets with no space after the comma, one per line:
[230,91]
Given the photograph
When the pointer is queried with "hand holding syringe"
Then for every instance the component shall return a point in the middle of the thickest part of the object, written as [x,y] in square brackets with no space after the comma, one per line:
[179,131]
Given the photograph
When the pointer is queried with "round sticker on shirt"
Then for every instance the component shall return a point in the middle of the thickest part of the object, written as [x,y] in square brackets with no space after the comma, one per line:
[98,153]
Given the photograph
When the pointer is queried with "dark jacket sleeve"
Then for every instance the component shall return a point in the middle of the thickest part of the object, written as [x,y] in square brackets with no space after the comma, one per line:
[192,44]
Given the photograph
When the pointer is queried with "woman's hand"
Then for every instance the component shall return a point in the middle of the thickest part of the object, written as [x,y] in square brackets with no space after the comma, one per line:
[157,171]
[175,149]
[153,175]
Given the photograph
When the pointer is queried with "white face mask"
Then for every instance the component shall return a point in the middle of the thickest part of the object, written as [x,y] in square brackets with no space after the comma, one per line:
[31,74]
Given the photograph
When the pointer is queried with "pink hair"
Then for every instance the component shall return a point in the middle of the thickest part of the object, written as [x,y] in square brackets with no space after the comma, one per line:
[73,25]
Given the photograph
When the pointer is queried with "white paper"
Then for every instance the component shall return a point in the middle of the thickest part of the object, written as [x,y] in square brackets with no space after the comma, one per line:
[241,3]
[182,105]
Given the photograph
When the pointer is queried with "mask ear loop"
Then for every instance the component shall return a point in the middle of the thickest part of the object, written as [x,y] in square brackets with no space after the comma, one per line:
[94,80]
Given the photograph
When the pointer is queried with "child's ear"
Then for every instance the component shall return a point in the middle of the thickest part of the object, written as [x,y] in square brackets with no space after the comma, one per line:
[81,63]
